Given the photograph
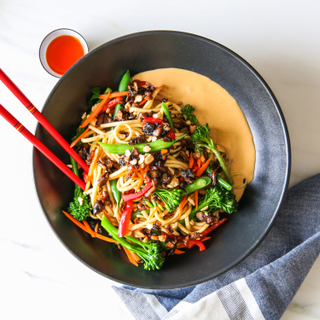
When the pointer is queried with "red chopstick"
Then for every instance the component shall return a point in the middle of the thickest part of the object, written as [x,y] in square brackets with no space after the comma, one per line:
[41,147]
[42,120]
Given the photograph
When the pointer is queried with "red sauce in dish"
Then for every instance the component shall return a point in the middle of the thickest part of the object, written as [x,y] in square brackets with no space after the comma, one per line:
[63,52]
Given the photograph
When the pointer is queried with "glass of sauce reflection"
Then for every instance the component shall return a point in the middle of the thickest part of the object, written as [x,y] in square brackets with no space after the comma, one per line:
[60,49]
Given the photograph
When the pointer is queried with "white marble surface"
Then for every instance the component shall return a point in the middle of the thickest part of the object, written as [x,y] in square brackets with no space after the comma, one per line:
[39,278]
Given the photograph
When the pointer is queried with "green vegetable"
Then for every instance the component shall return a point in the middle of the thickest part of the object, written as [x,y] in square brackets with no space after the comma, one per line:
[123,85]
[95,96]
[188,112]
[168,115]
[217,198]
[79,209]
[171,198]
[155,146]
[115,192]
[197,184]
[150,252]
[201,139]
[222,182]
[79,132]
[116,109]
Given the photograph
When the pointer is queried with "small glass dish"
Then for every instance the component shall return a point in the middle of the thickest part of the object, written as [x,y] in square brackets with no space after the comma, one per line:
[60,49]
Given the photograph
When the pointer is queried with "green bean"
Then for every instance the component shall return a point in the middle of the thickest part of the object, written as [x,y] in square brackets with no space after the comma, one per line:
[115,192]
[123,85]
[197,184]
[221,181]
[116,109]
[168,115]
[155,146]
[149,204]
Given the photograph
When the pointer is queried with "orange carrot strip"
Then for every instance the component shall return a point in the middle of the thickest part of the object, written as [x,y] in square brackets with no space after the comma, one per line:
[182,203]
[96,111]
[79,138]
[100,236]
[191,161]
[196,198]
[130,257]
[177,251]
[199,162]
[205,239]
[201,170]
[142,102]
[89,229]
[114,94]
[96,227]
[75,221]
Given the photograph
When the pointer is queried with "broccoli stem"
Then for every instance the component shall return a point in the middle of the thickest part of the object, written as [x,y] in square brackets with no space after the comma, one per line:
[149,252]
[223,165]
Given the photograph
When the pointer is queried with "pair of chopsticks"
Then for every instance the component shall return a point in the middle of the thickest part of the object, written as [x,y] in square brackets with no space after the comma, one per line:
[47,125]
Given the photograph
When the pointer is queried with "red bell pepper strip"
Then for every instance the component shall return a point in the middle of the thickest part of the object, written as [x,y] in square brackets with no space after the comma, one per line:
[170,134]
[191,242]
[111,103]
[214,226]
[125,220]
[137,195]
[198,243]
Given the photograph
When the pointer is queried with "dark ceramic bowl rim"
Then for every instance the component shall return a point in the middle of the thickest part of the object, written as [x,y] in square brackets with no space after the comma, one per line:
[284,129]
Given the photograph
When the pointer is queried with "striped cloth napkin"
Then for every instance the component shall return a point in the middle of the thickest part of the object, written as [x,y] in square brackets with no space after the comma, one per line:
[261,286]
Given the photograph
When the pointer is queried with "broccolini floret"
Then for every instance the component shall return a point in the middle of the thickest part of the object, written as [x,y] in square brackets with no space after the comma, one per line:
[171,198]
[188,112]
[202,140]
[217,198]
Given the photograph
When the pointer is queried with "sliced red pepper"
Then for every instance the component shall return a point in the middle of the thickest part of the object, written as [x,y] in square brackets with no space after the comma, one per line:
[216,225]
[170,134]
[125,220]
[111,103]
[198,243]
[137,195]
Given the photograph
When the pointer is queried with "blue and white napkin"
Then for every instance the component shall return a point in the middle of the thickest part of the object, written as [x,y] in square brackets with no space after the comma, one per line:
[261,286]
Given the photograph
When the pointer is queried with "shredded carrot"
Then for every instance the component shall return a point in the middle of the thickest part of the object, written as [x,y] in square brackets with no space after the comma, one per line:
[205,239]
[79,138]
[177,251]
[182,203]
[141,179]
[85,227]
[199,162]
[142,102]
[114,94]
[196,193]
[100,236]
[135,221]
[191,161]
[96,111]
[201,170]
[75,221]
[96,227]
[128,252]
[89,230]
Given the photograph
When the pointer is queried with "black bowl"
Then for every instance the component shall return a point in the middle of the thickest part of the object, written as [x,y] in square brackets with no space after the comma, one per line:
[260,203]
